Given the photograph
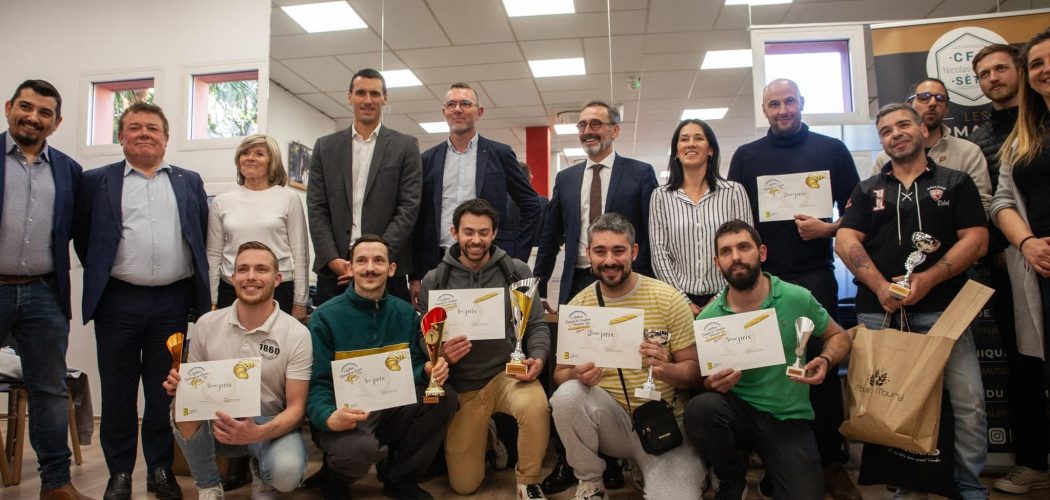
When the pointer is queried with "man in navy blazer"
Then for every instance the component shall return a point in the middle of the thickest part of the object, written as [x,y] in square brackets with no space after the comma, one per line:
[140,235]
[37,185]
[464,167]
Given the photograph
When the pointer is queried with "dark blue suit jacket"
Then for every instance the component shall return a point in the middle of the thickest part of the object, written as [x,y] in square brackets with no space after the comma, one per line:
[98,229]
[66,174]
[498,175]
[631,185]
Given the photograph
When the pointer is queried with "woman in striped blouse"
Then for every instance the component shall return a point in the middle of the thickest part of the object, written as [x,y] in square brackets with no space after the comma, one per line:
[685,213]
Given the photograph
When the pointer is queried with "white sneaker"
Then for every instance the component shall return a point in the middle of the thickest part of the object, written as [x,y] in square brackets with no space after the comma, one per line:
[1020,479]
[213,493]
[902,494]
[261,490]
[530,492]
[590,490]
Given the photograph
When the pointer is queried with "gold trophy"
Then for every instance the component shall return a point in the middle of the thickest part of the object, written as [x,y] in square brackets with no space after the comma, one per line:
[648,389]
[178,346]
[433,327]
[924,245]
[522,295]
[803,329]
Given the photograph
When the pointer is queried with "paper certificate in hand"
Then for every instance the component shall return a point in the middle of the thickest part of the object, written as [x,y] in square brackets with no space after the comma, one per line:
[477,313]
[374,379]
[608,336]
[739,341]
[780,197]
[230,385]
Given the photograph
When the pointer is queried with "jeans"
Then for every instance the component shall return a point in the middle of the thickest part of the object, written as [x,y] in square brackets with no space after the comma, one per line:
[32,315]
[962,380]
[720,425]
[281,462]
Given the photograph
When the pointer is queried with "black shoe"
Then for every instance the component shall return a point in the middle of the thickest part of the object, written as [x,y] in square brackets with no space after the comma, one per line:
[118,487]
[765,486]
[560,479]
[731,489]
[161,482]
[612,478]
[332,487]
[406,491]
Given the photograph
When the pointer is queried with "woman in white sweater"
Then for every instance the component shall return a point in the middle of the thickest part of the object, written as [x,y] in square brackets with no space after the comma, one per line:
[260,209]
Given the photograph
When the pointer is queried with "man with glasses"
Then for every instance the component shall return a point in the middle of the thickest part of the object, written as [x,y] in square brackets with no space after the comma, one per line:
[929,98]
[464,167]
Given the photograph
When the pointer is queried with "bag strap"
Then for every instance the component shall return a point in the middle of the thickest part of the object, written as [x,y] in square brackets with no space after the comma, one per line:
[623,384]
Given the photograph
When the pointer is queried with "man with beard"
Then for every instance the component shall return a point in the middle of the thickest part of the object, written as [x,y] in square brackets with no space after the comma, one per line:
[762,409]
[254,326]
[998,69]
[930,99]
[591,410]
[912,194]
[477,367]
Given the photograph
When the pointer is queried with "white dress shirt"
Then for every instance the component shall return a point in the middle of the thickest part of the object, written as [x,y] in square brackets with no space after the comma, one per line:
[361,160]
[585,202]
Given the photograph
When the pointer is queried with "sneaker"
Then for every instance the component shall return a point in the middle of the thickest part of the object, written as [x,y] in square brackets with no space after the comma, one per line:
[497,451]
[261,490]
[1020,479]
[590,490]
[530,492]
[731,489]
[838,483]
[213,493]
[406,491]
[903,494]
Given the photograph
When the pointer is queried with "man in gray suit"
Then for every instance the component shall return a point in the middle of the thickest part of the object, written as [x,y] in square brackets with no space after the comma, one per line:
[363,180]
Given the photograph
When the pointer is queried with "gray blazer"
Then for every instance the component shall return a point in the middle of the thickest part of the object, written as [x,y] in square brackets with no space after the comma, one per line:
[392,196]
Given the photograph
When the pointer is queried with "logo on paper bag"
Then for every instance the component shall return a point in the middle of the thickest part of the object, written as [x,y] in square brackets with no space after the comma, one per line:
[878,378]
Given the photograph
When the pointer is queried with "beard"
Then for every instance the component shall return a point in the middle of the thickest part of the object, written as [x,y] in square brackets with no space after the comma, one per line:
[745,281]
[615,281]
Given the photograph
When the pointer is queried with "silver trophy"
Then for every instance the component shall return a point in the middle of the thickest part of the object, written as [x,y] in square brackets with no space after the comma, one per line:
[522,296]
[803,329]
[924,245]
[648,389]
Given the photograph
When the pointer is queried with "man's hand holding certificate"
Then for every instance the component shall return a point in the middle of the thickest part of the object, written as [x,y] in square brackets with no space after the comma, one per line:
[376,380]
[739,341]
[230,385]
[781,197]
[608,336]
[476,313]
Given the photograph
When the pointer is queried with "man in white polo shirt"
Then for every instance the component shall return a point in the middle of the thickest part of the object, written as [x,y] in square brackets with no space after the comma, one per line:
[254,326]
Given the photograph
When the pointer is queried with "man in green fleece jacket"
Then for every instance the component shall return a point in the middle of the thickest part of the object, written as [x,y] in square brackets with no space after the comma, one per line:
[478,366]
[402,441]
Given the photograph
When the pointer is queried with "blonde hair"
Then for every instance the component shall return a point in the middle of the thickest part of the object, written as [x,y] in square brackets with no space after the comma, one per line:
[1025,141]
[275,173]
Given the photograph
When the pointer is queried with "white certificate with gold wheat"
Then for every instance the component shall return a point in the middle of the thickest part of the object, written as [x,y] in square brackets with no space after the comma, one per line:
[739,341]
[608,336]
[230,385]
[477,313]
[780,197]
[374,379]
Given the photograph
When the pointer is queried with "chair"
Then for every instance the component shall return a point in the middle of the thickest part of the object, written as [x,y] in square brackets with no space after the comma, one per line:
[14,439]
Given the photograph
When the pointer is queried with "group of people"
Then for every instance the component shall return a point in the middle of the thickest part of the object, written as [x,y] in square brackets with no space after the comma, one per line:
[389,225]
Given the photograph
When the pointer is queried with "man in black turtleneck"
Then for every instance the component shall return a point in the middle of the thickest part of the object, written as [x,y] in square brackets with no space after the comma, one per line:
[799,250]
[998,71]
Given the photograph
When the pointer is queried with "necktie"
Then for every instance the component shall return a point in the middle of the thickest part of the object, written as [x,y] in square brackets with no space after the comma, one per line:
[596,194]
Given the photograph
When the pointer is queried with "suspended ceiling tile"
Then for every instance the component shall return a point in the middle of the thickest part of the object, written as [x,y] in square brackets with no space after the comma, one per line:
[408,23]
[512,92]
[325,73]
[288,79]
[461,55]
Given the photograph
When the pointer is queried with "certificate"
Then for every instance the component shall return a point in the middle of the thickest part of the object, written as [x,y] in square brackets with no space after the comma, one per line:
[374,379]
[780,197]
[230,385]
[477,313]
[608,336]
[739,341]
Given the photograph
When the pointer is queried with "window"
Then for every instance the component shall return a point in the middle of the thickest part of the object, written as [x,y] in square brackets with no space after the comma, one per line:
[109,100]
[224,105]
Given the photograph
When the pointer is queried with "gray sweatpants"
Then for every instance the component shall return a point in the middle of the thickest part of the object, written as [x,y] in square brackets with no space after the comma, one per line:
[590,421]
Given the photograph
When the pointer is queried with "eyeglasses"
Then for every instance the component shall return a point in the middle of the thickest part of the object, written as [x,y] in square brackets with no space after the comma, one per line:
[465,105]
[594,125]
[924,97]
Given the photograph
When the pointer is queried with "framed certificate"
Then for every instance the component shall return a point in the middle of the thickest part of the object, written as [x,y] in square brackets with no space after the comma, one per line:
[374,379]
[739,341]
[477,313]
[608,336]
[230,385]
[780,197]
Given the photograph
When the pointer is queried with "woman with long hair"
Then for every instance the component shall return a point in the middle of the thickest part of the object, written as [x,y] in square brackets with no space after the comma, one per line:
[685,213]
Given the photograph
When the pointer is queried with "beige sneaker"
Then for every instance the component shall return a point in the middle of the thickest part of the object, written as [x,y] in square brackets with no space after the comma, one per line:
[590,490]
[1020,479]
[213,493]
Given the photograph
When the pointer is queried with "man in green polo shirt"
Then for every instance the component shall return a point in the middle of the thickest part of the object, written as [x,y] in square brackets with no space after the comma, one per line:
[762,409]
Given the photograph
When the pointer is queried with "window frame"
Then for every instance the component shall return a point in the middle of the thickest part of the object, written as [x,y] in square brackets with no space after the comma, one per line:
[217,73]
[86,125]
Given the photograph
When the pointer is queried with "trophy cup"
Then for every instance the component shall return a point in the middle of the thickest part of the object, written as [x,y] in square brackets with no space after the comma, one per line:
[924,245]
[178,346]
[522,294]
[648,389]
[803,329]
[433,326]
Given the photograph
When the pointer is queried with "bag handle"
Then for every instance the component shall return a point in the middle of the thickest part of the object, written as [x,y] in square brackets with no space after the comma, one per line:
[905,327]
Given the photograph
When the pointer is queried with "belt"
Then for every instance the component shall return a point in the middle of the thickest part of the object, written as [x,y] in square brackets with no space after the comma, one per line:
[6,279]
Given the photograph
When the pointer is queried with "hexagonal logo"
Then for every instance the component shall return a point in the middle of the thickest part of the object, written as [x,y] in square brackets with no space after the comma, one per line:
[951,60]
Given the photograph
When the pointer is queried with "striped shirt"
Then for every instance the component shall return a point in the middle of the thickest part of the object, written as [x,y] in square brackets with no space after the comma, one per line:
[682,235]
[665,310]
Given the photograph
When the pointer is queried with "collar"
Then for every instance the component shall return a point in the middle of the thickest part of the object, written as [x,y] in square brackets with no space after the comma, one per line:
[472,145]
[355,135]
[775,290]
[361,302]
[128,168]
[12,147]
[266,327]
[788,140]
[1004,117]
[887,169]
[606,162]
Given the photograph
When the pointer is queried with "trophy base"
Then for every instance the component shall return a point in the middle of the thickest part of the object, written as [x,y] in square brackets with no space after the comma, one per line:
[796,371]
[432,397]
[899,291]
[516,369]
[650,394]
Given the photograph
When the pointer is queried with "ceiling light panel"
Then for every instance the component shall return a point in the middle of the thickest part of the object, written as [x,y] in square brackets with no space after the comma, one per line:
[558,67]
[524,8]
[704,114]
[327,16]
[719,59]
